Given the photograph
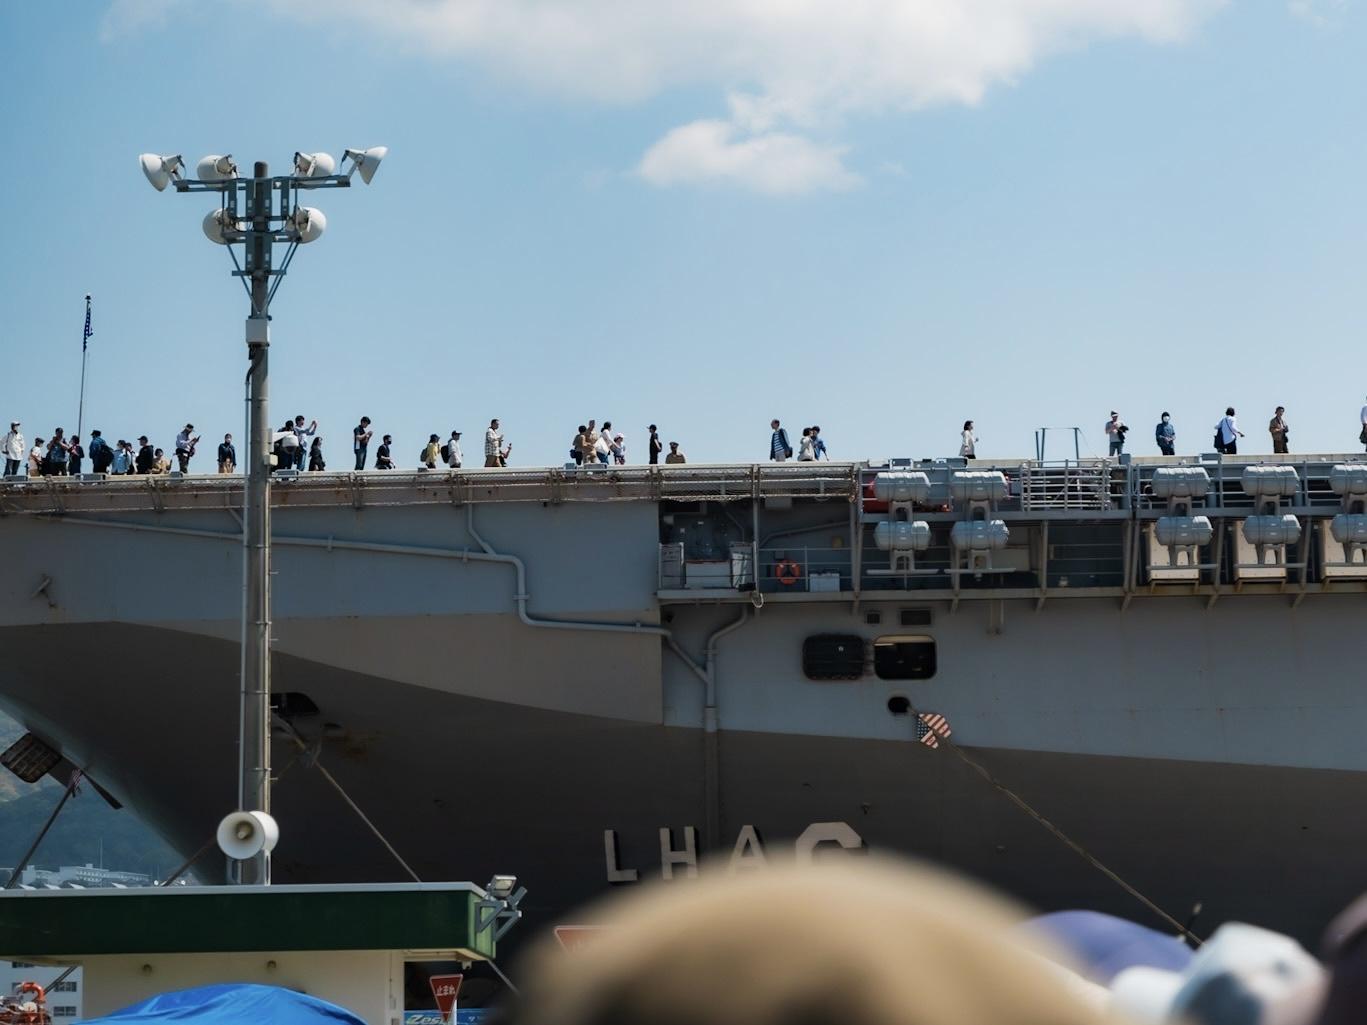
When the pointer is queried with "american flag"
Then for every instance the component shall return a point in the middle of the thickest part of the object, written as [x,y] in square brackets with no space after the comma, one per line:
[74,784]
[930,727]
[85,341]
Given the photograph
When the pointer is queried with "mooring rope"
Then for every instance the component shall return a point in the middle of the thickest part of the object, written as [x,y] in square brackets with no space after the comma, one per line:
[1182,929]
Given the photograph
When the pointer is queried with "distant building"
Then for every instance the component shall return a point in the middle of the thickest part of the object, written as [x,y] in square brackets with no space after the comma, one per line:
[63,1000]
[81,875]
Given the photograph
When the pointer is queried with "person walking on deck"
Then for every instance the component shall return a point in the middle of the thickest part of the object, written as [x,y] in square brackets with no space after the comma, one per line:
[1227,434]
[316,461]
[818,444]
[656,445]
[453,456]
[968,444]
[384,460]
[779,449]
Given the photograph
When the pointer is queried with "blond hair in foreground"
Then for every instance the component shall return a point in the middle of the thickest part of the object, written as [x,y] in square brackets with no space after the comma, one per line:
[855,942]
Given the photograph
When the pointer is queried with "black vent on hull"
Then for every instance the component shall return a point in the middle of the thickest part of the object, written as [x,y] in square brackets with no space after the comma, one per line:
[833,657]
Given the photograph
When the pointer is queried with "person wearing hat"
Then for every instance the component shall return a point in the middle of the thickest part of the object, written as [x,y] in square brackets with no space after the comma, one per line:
[13,448]
[675,456]
[1115,433]
[147,456]
[37,458]
[185,447]
[101,455]
[656,445]
[454,456]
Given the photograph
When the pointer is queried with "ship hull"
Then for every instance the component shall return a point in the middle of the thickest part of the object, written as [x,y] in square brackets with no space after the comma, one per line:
[464,787]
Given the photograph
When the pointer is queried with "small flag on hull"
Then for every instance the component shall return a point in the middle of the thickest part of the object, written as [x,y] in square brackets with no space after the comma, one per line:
[930,727]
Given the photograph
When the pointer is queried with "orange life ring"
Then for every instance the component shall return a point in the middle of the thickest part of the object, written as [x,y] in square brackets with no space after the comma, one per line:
[788,572]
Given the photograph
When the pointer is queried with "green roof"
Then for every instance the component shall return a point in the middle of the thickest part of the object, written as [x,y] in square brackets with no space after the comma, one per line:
[214,919]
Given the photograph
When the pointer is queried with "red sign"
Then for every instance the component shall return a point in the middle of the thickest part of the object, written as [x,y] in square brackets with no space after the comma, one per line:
[445,988]
[577,937]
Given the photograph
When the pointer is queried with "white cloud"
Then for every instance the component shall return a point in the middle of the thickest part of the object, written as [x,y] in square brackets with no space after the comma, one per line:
[778,163]
[788,65]
[127,17]
[1317,12]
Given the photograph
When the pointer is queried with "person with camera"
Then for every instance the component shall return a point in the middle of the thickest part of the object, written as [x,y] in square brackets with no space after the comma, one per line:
[1277,428]
[1115,433]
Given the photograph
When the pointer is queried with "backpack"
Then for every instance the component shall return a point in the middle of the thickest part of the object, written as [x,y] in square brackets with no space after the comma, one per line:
[446,453]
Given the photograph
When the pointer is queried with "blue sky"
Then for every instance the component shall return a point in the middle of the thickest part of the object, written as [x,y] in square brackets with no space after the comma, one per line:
[875,216]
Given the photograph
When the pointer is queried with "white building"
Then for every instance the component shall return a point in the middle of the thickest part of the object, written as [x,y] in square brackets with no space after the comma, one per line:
[81,875]
[63,1001]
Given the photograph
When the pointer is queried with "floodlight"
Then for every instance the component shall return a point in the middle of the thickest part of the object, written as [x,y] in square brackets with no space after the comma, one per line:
[215,168]
[314,165]
[501,887]
[215,224]
[308,223]
[366,160]
[161,171]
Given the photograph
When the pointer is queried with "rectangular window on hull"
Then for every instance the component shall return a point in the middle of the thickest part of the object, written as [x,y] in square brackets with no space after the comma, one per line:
[904,658]
[833,657]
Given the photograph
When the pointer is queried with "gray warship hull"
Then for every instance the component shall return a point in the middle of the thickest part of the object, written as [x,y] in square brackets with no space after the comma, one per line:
[515,673]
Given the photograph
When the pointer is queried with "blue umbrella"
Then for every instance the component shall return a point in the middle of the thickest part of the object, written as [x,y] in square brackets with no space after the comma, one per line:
[232,1004]
[1103,946]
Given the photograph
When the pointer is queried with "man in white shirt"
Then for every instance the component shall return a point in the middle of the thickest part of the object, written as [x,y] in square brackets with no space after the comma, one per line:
[13,448]
[453,454]
[302,435]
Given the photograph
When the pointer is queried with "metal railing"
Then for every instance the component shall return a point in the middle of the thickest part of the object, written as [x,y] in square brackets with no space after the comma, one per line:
[1066,485]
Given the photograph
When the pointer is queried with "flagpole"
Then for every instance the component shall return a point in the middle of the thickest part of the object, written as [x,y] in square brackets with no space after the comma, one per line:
[85,344]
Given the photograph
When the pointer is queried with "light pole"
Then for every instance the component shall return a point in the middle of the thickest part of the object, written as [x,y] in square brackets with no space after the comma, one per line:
[256,213]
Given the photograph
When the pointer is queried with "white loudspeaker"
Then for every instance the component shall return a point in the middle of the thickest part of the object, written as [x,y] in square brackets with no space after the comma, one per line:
[215,168]
[367,160]
[309,223]
[214,223]
[245,834]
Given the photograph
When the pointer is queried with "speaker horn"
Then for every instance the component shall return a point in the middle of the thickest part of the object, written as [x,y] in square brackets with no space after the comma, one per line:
[366,160]
[245,834]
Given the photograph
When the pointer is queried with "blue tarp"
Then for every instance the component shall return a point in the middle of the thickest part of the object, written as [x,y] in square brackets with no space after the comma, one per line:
[232,1004]
[1104,946]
